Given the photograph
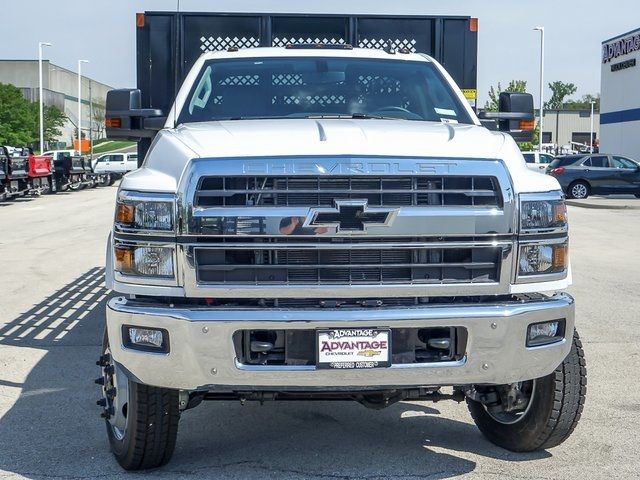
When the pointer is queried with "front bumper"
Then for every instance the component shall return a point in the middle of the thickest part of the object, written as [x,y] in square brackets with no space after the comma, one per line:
[205,358]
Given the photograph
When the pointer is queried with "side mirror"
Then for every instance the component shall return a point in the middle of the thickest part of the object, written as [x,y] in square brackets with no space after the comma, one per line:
[515,115]
[126,120]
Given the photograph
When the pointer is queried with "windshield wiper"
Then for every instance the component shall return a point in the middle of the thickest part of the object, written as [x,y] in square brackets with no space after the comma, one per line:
[367,116]
[354,116]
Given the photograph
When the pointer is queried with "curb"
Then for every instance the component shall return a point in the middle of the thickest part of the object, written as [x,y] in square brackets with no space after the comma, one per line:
[597,206]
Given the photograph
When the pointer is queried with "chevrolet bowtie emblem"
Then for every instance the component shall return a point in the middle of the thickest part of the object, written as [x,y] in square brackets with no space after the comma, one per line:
[350,216]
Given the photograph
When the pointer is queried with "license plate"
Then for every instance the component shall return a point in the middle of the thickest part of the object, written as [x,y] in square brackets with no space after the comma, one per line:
[353,348]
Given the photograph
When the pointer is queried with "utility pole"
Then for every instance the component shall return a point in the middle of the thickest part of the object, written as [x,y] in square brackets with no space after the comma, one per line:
[90,121]
[80,62]
[591,130]
[541,30]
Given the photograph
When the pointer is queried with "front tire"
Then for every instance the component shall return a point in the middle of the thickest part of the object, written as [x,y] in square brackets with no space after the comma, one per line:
[556,404]
[142,425]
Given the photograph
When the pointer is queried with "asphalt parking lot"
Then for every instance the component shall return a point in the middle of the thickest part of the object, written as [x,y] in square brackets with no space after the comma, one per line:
[51,319]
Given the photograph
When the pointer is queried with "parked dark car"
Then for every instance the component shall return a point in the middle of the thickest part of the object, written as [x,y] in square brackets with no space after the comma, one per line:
[583,175]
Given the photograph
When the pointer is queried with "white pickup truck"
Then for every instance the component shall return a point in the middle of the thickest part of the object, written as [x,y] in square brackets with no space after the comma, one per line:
[334,223]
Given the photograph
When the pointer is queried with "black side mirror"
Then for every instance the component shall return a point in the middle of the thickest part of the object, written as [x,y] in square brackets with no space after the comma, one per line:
[515,116]
[126,120]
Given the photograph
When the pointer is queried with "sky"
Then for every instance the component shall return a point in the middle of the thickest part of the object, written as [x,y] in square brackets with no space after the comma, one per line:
[103,31]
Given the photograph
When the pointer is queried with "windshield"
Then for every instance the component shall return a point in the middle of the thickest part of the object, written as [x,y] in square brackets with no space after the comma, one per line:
[306,87]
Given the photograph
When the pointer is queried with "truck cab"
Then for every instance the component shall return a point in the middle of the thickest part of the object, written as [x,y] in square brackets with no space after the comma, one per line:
[116,163]
[328,222]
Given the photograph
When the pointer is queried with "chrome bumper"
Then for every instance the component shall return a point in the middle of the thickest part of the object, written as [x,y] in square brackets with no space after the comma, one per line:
[202,354]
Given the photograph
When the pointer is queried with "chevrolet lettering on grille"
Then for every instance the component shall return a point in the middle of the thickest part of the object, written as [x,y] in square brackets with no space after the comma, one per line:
[350,216]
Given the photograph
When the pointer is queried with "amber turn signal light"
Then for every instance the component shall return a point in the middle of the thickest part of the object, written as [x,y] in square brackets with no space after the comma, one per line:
[124,259]
[559,213]
[527,125]
[125,214]
[113,122]
[559,257]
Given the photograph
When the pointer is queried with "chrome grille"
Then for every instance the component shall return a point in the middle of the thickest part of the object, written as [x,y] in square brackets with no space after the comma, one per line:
[321,191]
[268,264]
[262,228]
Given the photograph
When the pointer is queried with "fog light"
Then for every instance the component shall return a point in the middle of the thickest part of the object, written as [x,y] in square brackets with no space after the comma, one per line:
[146,339]
[545,333]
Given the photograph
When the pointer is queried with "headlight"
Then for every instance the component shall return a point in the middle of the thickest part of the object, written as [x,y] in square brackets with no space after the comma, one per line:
[542,259]
[148,261]
[539,213]
[144,211]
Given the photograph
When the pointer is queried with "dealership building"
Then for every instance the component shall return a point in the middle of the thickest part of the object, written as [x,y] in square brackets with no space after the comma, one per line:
[620,96]
[60,89]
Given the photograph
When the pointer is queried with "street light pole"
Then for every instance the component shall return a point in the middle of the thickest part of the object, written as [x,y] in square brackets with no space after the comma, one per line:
[541,30]
[40,98]
[80,62]
[591,130]
[90,121]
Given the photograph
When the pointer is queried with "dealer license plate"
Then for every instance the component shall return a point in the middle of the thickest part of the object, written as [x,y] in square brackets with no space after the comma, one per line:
[352,348]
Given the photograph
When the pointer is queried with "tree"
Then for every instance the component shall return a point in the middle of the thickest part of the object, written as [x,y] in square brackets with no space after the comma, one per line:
[17,122]
[97,118]
[53,122]
[584,103]
[516,86]
[19,119]
[559,91]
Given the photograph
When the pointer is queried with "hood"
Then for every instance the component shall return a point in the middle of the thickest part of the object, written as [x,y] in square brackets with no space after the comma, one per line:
[247,138]
[173,148]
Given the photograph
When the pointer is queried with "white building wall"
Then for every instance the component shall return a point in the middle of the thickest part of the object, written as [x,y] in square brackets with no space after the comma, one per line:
[620,97]
[563,124]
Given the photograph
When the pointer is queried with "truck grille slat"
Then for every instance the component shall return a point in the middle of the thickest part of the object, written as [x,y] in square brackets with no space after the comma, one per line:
[319,191]
[217,265]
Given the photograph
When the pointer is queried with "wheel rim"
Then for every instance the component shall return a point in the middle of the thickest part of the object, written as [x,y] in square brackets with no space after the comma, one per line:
[579,190]
[509,418]
[116,394]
